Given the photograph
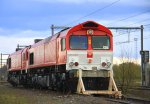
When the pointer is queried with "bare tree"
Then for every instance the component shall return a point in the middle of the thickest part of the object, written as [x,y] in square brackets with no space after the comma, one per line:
[125,73]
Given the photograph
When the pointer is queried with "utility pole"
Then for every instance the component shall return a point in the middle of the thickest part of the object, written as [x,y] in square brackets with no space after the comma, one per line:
[1,59]
[136,50]
[52,29]
[142,64]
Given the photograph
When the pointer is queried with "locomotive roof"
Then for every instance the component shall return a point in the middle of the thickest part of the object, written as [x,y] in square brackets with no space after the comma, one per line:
[63,33]
[86,25]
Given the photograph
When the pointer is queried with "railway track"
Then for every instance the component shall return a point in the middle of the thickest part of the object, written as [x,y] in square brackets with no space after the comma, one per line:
[129,100]
[141,88]
[118,101]
[138,100]
[124,100]
[2,82]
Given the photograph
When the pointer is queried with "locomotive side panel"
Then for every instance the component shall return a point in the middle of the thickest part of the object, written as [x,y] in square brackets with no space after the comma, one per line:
[43,54]
[19,60]
[62,53]
[50,52]
[39,55]
[16,61]
[24,58]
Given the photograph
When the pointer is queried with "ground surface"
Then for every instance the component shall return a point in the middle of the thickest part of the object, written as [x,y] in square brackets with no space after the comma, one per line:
[20,95]
[11,95]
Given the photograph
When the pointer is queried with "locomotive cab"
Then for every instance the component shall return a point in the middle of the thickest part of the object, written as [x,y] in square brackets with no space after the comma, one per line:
[89,58]
[89,52]
[89,47]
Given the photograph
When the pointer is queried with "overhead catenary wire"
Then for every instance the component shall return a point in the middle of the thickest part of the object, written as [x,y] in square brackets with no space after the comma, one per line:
[125,33]
[129,17]
[109,5]
[133,31]
[119,43]
[133,24]
[113,22]
[146,25]
[139,22]
[147,28]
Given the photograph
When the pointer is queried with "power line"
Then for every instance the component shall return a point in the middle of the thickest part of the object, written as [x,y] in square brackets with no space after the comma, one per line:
[125,33]
[119,43]
[146,25]
[94,12]
[135,30]
[146,37]
[147,28]
[136,48]
[139,22]
[129,17]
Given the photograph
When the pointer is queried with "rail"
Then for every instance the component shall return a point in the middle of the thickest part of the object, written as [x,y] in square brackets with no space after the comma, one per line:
[129,100]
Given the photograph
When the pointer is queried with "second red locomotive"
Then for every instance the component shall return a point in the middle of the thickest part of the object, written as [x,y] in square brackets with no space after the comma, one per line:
[77,59]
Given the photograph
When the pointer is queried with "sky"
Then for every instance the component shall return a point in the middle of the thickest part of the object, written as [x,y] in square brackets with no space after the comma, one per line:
[22,21]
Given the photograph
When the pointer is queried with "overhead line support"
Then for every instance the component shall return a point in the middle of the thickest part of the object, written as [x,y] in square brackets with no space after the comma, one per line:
[116,28]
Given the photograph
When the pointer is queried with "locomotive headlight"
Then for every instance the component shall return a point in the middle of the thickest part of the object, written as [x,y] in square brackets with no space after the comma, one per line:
[71,64]
[73,61]
[90,31]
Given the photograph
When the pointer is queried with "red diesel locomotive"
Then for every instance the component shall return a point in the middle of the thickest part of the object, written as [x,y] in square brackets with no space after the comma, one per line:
[78,59]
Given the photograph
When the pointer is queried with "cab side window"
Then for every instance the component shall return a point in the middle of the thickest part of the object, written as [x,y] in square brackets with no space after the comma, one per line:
[63,44]
[31,62]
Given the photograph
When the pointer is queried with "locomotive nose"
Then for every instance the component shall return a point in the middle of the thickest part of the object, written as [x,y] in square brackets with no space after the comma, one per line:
[89,60]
